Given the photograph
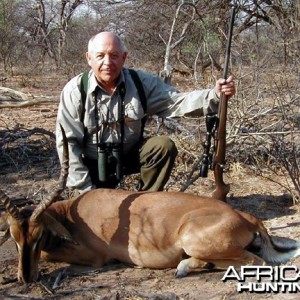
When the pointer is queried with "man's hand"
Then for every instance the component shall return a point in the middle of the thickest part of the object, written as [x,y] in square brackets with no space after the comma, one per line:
[225,86]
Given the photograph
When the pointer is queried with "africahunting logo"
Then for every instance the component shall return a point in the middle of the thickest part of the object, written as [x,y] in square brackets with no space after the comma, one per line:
[264,279]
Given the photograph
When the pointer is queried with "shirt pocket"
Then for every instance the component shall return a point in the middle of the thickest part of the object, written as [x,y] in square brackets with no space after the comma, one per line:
[89,119]
[133,112]
[133,115]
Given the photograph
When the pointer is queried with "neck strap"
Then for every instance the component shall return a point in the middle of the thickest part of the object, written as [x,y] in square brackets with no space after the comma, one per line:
[121,121]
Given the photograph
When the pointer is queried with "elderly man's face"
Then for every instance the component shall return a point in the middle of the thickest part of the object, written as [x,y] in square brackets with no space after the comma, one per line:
[106,59]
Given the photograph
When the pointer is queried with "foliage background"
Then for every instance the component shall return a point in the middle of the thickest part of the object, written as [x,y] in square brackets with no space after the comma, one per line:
[41,38]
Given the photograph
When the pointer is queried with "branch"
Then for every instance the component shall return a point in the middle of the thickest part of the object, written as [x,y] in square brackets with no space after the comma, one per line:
[10,98]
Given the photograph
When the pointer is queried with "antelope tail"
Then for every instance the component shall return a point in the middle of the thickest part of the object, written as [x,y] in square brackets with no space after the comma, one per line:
[277,251]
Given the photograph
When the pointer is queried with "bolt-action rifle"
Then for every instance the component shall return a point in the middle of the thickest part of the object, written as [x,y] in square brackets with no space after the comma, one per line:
[216,126]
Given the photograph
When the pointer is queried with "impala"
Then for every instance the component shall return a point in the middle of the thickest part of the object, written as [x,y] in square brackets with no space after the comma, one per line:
[148,229]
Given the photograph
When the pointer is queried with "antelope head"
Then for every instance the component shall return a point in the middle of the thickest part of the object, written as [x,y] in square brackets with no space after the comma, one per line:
[27,226]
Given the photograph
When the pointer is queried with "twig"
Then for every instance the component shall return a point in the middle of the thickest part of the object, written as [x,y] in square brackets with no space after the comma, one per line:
[84,289]
[266,133]
[18,202]
[6,280]
[49,291]
[26,103]
[58,278]
[190,179]
[20,296]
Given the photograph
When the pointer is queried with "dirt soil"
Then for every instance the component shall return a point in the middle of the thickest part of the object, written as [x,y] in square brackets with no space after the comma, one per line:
[28,170]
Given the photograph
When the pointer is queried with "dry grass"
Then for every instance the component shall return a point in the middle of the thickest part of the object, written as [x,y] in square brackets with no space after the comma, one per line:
[29,168]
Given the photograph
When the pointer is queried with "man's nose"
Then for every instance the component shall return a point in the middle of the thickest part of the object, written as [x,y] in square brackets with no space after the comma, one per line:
[106,59]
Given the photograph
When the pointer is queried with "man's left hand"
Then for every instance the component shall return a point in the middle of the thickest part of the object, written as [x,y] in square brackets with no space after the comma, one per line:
[225,86]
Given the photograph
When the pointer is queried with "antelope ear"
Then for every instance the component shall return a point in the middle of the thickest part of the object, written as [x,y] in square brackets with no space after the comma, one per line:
[3,222]
[4,238]
[56,228]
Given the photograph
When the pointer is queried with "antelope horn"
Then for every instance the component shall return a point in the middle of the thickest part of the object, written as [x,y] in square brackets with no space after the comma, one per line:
[10,207]
[45,203]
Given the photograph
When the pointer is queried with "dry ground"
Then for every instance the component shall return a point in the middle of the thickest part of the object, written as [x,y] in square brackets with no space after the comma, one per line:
[29,168]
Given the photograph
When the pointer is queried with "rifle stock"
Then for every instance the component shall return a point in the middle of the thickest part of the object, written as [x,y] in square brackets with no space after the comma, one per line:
[222,189]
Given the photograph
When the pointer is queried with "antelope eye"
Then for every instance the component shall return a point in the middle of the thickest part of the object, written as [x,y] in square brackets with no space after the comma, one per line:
[36,245]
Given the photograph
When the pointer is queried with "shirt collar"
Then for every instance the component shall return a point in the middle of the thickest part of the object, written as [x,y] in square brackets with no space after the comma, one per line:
[93,83]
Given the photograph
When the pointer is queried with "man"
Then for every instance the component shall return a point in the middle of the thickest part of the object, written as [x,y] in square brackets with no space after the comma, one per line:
[115,121]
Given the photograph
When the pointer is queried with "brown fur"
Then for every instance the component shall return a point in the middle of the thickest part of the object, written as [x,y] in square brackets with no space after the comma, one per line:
[153,230]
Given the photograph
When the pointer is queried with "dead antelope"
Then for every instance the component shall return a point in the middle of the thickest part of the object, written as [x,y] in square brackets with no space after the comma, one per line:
[148,229]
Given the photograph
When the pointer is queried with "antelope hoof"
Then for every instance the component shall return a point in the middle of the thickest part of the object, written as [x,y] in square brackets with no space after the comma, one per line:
[179,274]
[182,269]
[209,266]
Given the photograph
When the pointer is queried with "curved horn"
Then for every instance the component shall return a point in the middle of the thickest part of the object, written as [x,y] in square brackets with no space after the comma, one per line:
[61,181]
[10,207]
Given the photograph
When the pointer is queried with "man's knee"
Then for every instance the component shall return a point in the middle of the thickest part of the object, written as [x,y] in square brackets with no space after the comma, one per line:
[163,143]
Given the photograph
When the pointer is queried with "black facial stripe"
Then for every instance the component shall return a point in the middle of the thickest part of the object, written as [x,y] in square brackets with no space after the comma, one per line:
[26,260]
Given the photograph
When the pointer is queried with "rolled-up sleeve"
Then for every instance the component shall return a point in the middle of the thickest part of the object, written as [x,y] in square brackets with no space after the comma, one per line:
[165,101]
[192,104]
[69,112]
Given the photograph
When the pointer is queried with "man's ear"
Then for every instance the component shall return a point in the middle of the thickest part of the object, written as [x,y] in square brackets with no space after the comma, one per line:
[124,56]
[87,56]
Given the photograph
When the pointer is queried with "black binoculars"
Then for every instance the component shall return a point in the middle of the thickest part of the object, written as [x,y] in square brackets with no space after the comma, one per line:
[207,157]
[110,161]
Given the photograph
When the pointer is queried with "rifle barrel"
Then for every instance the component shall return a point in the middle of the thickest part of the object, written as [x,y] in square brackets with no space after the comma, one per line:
[228,43]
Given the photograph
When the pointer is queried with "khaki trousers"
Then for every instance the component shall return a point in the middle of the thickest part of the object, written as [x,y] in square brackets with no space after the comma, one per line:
[157,157]
[154,160]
